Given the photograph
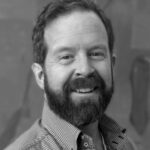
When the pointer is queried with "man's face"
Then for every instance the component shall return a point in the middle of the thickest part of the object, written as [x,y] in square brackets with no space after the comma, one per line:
[77,70]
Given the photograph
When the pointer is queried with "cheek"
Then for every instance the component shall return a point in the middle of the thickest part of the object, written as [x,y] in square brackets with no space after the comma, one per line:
[104,70]
[57,76]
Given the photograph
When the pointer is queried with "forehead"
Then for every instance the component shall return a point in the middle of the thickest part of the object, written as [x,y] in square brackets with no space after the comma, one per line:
[85,25]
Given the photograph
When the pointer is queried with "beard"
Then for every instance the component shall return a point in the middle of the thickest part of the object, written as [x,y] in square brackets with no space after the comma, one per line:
[86,111]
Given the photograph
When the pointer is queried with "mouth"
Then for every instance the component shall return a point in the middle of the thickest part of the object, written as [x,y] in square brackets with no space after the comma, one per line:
[85,90]
[85,94]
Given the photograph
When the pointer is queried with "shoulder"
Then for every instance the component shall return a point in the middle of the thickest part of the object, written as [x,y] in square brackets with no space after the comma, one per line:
[130,145]
[31,139]
[114,135]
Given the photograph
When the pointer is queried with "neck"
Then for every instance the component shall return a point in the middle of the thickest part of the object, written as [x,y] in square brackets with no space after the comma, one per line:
[93,131]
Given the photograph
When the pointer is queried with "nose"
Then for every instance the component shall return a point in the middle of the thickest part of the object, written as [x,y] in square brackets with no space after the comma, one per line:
[84,67]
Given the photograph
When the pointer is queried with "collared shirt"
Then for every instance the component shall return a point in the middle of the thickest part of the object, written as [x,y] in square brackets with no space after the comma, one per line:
[54,133]
[64,132]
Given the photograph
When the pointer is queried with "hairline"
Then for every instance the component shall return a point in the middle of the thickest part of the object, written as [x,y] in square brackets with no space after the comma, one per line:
[68,13]
[51,17]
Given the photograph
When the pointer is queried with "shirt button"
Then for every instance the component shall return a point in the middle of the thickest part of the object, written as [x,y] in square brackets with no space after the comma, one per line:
[86,144]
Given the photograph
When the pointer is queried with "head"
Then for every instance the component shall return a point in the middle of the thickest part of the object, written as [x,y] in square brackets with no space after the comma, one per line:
[73,53]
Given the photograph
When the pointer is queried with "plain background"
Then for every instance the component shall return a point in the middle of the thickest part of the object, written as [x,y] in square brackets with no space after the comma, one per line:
[21,100]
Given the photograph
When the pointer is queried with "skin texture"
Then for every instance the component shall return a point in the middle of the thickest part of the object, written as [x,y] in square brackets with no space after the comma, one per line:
[77,47]
[76,36]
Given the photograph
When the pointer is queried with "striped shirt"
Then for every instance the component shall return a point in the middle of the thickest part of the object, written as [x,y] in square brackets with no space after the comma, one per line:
[53,133]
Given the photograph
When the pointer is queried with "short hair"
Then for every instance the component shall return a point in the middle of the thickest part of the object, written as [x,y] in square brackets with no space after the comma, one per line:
[52,11]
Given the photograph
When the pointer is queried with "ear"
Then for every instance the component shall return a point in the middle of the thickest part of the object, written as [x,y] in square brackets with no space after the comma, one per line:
[39,74]
[113,59]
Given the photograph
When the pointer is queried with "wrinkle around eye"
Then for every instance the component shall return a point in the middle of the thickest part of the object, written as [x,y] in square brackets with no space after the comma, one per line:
[66,59]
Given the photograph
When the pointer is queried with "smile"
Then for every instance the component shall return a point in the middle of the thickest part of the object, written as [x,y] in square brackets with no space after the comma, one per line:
[85,90]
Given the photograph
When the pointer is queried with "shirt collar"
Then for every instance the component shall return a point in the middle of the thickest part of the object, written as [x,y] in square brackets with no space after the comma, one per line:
[64,132]
[67,134]
[114,136]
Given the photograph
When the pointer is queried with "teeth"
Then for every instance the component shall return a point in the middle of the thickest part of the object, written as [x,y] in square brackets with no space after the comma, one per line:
[87,90]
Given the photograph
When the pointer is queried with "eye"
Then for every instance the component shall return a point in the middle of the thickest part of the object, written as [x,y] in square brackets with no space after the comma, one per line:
[97,55]
[66,59]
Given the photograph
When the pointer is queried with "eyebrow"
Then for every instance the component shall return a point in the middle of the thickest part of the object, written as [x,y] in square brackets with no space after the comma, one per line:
[101,46]
[72,49]
[63,49]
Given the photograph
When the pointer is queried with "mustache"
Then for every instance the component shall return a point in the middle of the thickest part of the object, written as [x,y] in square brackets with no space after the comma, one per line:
[94,80]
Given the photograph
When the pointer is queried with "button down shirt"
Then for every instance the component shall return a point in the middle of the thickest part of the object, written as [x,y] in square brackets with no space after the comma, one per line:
[53,133]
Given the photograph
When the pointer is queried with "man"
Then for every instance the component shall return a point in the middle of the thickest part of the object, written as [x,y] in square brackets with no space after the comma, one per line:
[73,64]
